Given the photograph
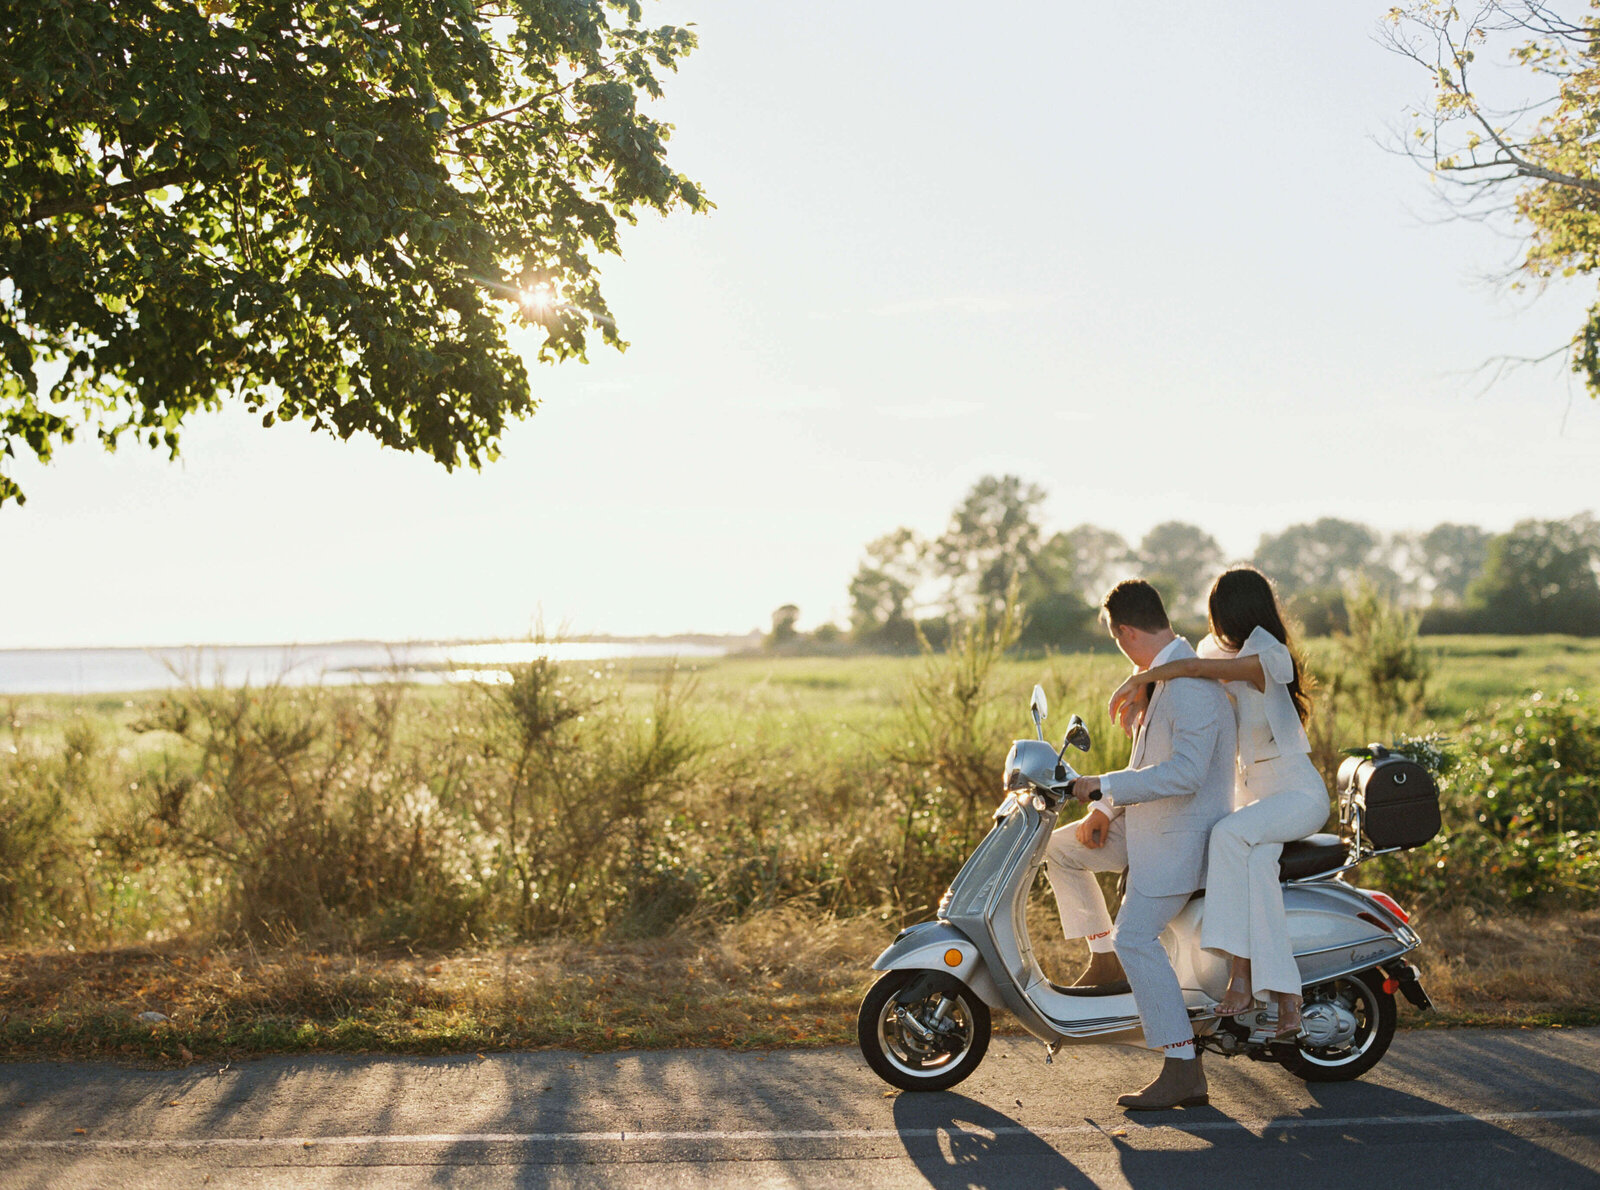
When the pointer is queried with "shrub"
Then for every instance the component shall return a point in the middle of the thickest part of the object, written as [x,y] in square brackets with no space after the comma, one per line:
[31,857]
[1385,672]
[1521,810]
[308,811]
[946,744]
[574,793]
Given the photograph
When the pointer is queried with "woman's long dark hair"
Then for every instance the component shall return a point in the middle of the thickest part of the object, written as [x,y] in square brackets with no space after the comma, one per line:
[1242,600]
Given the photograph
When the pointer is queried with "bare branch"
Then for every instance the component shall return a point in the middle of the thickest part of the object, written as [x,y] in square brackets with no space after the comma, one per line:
[1494,369]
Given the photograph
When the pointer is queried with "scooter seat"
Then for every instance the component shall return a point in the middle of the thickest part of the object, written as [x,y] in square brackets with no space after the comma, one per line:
[1311,856]
[1120,988]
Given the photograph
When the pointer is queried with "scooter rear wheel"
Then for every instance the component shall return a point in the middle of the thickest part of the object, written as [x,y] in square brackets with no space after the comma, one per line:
[1371,1024]
[904,1058]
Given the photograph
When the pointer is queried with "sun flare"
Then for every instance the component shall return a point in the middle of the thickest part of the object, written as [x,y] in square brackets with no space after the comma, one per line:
[539,299]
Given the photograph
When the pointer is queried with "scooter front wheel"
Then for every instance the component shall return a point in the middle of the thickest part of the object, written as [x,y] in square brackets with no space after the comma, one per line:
[926,1040]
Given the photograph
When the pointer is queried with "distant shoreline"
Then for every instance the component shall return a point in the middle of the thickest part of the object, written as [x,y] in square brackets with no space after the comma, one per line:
[731,640]
[131,668]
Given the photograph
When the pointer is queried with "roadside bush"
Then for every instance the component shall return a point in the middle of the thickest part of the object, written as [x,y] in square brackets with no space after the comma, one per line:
[32,860]
[384,816]
[573,795]
[945,746]
[308,812]
[1384,669]
[1521,810]
[1320,611]
[64,870]
[566,801]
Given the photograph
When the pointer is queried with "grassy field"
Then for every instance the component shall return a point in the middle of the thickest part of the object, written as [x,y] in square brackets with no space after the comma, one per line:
[860,693]
[850,698]
[799,810]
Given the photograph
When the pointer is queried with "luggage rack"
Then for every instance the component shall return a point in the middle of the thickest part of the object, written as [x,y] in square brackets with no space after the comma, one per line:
[1349,822]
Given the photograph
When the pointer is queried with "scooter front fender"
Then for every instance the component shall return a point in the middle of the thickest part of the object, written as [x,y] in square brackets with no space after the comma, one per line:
[927,946]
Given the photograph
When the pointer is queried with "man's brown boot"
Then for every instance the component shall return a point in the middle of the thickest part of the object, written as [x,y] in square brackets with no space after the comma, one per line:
[1103,968]
[1181,1083]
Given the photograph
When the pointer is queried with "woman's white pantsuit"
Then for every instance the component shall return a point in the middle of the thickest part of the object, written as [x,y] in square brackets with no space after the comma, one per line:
[1281,797]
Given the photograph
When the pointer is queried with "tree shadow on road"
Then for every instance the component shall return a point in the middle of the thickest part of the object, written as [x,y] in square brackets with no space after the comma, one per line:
[1355,1133]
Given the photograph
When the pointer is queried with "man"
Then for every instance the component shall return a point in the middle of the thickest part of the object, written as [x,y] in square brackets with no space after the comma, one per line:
[1154,818]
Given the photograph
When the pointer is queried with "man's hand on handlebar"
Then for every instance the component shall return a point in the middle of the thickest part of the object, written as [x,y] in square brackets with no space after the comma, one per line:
[1086,789]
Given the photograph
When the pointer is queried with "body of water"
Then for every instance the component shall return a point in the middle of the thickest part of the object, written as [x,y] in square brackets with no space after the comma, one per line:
[105,671]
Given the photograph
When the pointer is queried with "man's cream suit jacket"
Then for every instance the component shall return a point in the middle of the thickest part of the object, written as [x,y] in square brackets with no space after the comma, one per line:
[1178,783]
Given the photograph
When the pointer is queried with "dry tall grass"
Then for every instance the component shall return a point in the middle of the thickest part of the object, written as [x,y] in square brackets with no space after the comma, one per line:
[1512,969]
[780,978]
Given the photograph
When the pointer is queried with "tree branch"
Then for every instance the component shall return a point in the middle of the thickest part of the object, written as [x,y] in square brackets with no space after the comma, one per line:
[52,207]
[539,98]
[1528,170]
[1514,159]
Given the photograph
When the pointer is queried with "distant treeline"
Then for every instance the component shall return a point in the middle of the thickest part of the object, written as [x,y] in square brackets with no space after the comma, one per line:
[1541,576]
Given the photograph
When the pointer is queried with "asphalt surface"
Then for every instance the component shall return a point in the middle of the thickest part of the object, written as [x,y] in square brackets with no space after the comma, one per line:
[1445,1108]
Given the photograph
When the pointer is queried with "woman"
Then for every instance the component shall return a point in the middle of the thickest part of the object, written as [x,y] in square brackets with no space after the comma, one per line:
[1279,794]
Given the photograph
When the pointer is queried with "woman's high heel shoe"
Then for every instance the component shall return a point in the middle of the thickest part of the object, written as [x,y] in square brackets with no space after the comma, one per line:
[1290,1026]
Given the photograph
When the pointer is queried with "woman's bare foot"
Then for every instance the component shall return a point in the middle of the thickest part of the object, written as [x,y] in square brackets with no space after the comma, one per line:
[1235,1000]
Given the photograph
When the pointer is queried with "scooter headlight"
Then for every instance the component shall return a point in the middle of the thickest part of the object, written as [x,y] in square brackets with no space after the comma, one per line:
[1030,763]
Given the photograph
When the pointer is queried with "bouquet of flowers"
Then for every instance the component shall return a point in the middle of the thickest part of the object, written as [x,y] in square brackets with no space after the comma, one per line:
[1433,752]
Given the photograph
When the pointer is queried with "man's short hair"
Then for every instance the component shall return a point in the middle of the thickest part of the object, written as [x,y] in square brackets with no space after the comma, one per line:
[1134,603]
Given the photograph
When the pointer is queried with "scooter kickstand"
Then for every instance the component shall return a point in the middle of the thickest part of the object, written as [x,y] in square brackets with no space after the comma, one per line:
[1050,1048]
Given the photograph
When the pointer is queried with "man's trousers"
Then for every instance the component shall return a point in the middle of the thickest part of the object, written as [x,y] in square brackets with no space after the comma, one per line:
[1136,934]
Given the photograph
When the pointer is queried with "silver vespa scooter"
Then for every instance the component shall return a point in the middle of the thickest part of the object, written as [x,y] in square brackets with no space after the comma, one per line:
[925,1023]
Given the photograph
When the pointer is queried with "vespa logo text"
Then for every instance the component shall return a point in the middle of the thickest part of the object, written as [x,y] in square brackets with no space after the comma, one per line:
[1367,956]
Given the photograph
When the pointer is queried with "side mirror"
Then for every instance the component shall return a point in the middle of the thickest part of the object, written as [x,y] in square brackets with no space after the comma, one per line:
[1077,735]
[1039,708]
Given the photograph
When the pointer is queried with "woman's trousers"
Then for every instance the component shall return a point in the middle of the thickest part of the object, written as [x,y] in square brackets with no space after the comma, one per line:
[1244,900]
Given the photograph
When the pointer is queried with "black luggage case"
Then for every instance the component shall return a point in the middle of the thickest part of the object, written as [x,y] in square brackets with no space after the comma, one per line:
[1394,799]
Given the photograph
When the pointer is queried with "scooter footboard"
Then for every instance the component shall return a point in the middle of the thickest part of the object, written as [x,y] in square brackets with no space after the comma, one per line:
[930,946]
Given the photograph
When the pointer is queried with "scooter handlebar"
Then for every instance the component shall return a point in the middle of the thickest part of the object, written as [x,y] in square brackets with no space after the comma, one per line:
[1093,797]
[1069,787]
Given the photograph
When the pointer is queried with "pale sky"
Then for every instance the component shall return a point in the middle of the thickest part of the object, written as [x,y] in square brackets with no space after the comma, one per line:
[1153,257]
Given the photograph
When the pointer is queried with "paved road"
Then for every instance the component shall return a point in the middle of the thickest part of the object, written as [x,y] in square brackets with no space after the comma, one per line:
[1465,1108]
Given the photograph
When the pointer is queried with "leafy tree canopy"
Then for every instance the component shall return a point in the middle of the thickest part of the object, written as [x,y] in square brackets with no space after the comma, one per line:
[784,620]
[329,211]
[993,536]
[1448,557]
[1541,577]
[994,549]
[1051,571]
[882,590]
[1100,559]
[1329,552]
[1181,560]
